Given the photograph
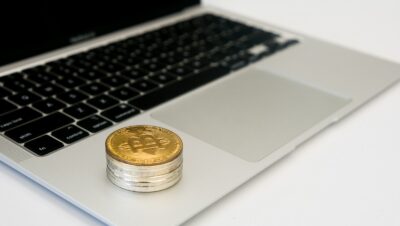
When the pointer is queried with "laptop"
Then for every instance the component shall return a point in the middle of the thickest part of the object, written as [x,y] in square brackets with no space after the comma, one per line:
[240,93]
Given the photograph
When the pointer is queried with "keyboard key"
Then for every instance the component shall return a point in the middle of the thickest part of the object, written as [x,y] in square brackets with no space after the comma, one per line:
[39,127]
[4,92]
[18,117]
[130,61]
[287,43]
[162,78]
[135,74]
[49,105]
[64,71]
[114,81]
[175,89]
[24,98]
[43,145]
[70,134]
[94,123]
[144,85]
[103,102]
[198,63]
[120,112]
[92,75]
[257,37]
[39,76]
[6,106]
[110,67]
[181,71]
[153,67]
[17,83]
[72,97]
[81,63]
[94,88]
[124,93]
[70,82]
[234,62]
[80,110]
[257,52]
[48,89]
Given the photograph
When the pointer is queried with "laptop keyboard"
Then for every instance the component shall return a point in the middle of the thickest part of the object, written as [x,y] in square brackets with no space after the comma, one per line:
[50,106]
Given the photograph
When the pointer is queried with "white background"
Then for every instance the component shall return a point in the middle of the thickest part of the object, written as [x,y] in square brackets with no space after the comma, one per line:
[348,175]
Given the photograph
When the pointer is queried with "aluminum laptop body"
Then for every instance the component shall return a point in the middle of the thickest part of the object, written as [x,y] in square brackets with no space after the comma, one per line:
[232,128]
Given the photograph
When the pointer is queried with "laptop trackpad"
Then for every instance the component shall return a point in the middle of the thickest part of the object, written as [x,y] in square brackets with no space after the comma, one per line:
[252,114]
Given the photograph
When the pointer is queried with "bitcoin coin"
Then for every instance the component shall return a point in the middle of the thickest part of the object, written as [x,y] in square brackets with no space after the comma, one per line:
[144,145]
[144,158]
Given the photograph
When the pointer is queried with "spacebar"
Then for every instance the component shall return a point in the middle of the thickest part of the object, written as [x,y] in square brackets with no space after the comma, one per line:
[186,84]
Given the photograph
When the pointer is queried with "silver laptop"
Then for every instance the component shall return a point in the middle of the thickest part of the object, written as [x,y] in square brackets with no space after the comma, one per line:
[241,94]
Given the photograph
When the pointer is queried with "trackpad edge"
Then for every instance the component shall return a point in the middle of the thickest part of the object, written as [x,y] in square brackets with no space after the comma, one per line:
[251,114]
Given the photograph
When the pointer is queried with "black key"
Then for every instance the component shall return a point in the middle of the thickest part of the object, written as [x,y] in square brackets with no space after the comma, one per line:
[120,112]
[70,82]
[64,71]
[39,76]
[4,92]
[71,97]
[175,89]
[170,58]
[49,105]
[257,37]
[181,71]
[234,62]
[43,145]
[198,63]
[82,64]
[94,88]
[135,74]
[114,81]
[144,85]
[94,123]
[273,45]
[163,78]
[39,127]
[110,67]
[80,110]
[130,61]
[6,106]
[92,75]
[216,56]
[124,93]
[18,117]
[48,89]
[103,102]
[24,98]
[70,134]
[287,43]
[17,83]
[153,67]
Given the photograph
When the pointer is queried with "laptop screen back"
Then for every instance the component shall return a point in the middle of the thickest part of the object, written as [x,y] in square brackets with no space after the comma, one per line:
[33,27]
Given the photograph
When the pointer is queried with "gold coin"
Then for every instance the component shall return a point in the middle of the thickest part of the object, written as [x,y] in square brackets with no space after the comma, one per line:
[143,145]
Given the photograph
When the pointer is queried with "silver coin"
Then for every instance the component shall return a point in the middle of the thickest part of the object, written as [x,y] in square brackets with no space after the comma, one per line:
[144,178]
[156,183]
[121,169]
[139,179]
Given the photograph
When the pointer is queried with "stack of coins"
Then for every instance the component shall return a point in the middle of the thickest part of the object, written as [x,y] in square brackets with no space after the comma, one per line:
[144,158]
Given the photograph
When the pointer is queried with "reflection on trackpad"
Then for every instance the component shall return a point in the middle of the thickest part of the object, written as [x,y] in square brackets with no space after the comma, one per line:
[252,114]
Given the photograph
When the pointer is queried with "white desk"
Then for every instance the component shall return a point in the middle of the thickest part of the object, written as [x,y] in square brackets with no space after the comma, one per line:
[348,175]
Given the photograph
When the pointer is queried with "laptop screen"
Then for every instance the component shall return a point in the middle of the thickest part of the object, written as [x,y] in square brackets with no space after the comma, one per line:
[33,27]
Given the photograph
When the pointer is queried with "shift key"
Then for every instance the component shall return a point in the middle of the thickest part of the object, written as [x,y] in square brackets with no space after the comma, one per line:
[18,117]
[39,127]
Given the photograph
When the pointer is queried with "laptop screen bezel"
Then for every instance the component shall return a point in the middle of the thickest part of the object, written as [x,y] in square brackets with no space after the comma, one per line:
[12,52]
